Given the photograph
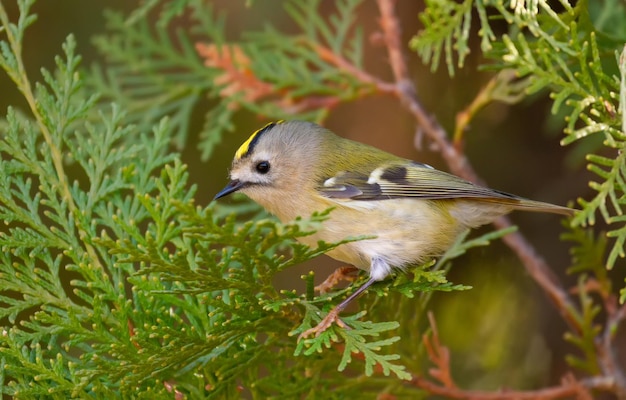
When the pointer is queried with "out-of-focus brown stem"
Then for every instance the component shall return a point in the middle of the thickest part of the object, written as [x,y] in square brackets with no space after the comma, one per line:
[443,384]
[569,389]
[609,364]
[464,116]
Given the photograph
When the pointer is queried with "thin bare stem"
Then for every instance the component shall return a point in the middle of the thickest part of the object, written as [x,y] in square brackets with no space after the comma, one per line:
[504,87]
[439,355]
[569,388]
[606,354]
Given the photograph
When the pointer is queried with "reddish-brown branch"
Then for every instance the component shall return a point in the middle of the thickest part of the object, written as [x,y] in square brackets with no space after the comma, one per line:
[238,82]
[341,63]
[539,270]
[439,355]
[569,388]
[606,355]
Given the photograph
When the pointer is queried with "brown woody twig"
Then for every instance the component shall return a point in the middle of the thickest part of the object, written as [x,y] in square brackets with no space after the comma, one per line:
[439,355]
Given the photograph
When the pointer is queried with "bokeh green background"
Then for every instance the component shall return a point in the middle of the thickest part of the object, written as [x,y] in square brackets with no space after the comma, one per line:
[503,332]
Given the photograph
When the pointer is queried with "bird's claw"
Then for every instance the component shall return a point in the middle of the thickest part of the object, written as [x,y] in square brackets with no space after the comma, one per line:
[331,317]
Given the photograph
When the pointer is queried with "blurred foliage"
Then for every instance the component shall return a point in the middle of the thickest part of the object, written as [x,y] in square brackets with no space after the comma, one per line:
[113,284]
[281,70]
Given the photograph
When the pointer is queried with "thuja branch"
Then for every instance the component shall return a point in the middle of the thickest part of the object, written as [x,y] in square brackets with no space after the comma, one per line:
[20,77]
[17,72]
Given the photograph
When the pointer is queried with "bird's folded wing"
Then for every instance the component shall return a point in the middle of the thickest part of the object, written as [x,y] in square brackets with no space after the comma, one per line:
[412,180]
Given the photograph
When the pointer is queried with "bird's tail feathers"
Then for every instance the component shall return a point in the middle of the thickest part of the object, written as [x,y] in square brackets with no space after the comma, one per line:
[535,206]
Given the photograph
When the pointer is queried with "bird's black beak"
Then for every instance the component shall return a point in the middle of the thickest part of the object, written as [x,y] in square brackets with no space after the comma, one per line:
[232,187]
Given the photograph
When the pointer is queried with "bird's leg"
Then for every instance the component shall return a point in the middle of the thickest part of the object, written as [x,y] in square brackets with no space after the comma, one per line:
[340,274]
[333,315]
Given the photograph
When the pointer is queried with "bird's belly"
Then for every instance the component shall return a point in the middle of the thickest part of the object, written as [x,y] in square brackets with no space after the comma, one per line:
[407,231]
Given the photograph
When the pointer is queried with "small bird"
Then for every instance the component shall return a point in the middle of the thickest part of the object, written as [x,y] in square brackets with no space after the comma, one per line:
[413,211]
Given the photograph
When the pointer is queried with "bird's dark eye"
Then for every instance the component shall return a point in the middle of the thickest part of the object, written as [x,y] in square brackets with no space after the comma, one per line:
[263,167]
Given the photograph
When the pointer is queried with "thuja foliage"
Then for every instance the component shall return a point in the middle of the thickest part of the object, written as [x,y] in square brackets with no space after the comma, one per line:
[267,72]
[113,283]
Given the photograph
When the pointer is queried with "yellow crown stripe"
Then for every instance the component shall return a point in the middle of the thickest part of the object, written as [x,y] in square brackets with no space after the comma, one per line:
[245,148]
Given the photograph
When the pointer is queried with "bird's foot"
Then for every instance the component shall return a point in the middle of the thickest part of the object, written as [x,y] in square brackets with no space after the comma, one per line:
[331,317]
[338,275]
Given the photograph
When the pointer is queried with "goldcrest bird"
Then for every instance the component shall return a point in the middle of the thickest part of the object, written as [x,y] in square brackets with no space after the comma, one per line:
[413,211]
